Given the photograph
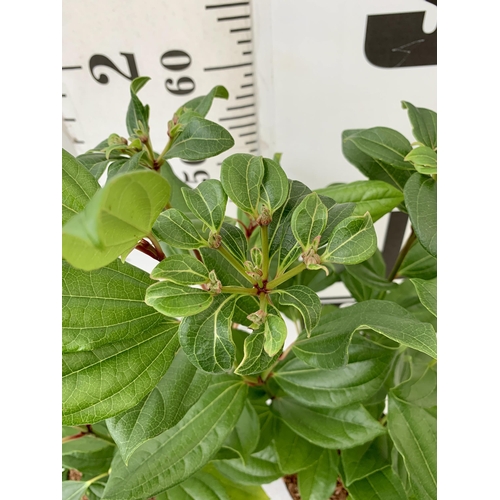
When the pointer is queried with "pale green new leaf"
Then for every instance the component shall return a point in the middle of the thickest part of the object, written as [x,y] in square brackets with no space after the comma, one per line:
[73,490]
[207,202]
[421,201]
[176,300]
[304,300]
[101,383]
[424,159]
[241,176]
[318,481]
[129,165]
[234,241]
[380,485]
[115,219]
[177,391]
[200,139]
[206,338]
[376,197]
[182,269]
[275,333]
[255,359]
[383,144]
[175,455]
[173,227]
[424,123]
[78,186]
[427,293]
[275,186]
[309,220]
[327,347]
[340,428]
[104,305]
[352,241]
[136,111]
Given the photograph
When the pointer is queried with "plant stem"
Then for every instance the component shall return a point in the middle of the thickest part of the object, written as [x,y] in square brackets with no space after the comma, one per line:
[157,246]
[74,436]
[263,302]
[285,277]
[165,150]
[94,479]
[235,263]
[239,290]
[406,248]
[151,154]
[264,235]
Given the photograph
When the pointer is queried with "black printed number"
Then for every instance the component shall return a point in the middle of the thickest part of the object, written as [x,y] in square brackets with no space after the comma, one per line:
[177,60]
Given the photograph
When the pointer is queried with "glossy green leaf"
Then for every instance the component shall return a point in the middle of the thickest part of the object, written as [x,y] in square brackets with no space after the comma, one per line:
[424,123]
[101,383]
[241,176]
[427,293]
[173,227]
[376,197]
[421,201]
[177,300]
[202,104]
[340,428]
[370,167]
[418,263]
[104,305]
[177,391]
[255,358]
[182,269]
[380,485]
[304,300]
[170,458]
[136,111]
[318,481]
[275,333]
[95,162]
[309,220]
[88,454]
[200,486]
[327,347]
[206,337]
[200,139]
[364,460]
[352,241]
[73,490]
[129,165]
[337,212]
[78,186]
[275,186]
[115,219]
[234,241]
[207,202]
[355,382]
[383,144]
[176,199]
[424,159]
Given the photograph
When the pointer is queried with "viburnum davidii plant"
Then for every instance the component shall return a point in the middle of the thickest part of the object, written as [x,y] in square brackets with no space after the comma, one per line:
[178,385]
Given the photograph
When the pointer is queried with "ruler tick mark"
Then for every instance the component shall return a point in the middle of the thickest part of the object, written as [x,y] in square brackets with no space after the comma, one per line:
[244,96]
[248,74]
[254,150]
[241,126]
[247,133]
[71,67]
[216,68]
[247,52]
[244,41]
[64,95]
[76,141]
[235,117]
[251,142]
[237,30]
[246,85]
[241,107]
[233,18]
[69,119]
[222,5]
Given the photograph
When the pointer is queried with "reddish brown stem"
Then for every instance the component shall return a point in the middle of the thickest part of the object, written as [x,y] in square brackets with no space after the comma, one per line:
[148,249]
[74,436]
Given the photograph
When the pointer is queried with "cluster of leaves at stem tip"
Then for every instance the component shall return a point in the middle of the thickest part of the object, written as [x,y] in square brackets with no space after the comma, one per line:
[176,384]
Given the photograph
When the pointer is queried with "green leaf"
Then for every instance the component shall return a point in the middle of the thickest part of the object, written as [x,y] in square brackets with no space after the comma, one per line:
[177,391]
[421,201]
[383,144]
[424,123]
[275,333]
[427,293]
[136,111]
[327,347]
[376,197]
[370,167]
[88,454]
[234,241]
[352,241]
[413,430]
[181,269]
[78,186]
[202,104]
[200,486]
[73,490]
[337,212]
[96,163]
[424,159]
[207,202]
[357,381]
[275,186]
[304,300]
[241,176]
[175,455]
[318,481]
[309,220]
[130,165]
[173,227]
[206,337]
[255,358]
[294,452]
[381,485]
[115,219]
[200,139]
[177,199]
[104,305]
[101,383]
[340,428]
[418,263]
[364,460]
[176,300]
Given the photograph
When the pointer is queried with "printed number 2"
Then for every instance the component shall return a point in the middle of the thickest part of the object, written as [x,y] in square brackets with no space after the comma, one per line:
[100,60]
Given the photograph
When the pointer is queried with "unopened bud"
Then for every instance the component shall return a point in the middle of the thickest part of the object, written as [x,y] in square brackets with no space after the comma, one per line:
[258,317]
[215,286]
[265,217]
[214,240]
[116,140]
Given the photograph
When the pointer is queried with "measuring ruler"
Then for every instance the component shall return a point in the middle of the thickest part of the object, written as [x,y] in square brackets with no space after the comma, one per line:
[186,48]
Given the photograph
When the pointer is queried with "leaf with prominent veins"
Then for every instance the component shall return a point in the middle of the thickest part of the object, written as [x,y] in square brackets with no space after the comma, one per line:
[424,123]
[174,228]
[309,220]
[255,358]
[182,269]
[234,241]
[427,293]
[275,186]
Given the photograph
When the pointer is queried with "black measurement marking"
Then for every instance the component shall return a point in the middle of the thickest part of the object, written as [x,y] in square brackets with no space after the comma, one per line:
[76,141]
[247,85]
[244,96]
[235,117]
[216,68]
[64,95]
[251,142]
[71,67]
[233,18]
[248,74]
[237,30]
[222,5]
[240,107]
[241,126]
[247,53]
[244,41]
[254,150]
[69,119]
[248,133]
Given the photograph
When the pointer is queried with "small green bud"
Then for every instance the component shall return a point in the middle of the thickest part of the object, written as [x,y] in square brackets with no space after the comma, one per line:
[116,140]
[214,240]
[258,317]
[252,270]
[257,256]
[265,217]
[136,144]
[215,286]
